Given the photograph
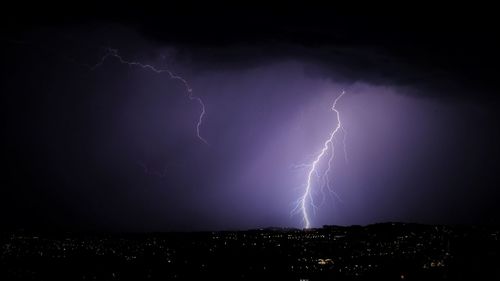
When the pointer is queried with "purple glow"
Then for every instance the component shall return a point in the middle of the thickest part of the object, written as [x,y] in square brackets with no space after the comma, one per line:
[264,121]
[118,141]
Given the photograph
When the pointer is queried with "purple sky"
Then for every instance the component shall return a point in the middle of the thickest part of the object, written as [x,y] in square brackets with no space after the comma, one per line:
[116,147]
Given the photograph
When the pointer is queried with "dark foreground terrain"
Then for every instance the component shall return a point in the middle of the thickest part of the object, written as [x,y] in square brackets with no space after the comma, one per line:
[375,252]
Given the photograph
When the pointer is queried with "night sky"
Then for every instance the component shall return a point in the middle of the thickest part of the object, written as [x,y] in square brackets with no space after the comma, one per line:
[114,147]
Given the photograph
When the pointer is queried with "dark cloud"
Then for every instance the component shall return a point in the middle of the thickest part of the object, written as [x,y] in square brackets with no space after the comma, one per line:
[438,51]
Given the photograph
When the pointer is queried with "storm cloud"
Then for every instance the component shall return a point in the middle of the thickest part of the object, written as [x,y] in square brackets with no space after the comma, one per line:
[115,146]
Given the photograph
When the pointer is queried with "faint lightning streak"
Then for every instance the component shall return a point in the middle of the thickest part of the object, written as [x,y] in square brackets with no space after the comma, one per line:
[147,171]
[344,133]
[307,196]
[189,91]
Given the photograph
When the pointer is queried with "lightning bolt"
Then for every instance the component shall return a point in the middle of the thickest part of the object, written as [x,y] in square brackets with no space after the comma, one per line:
[113,53]
[306,201]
